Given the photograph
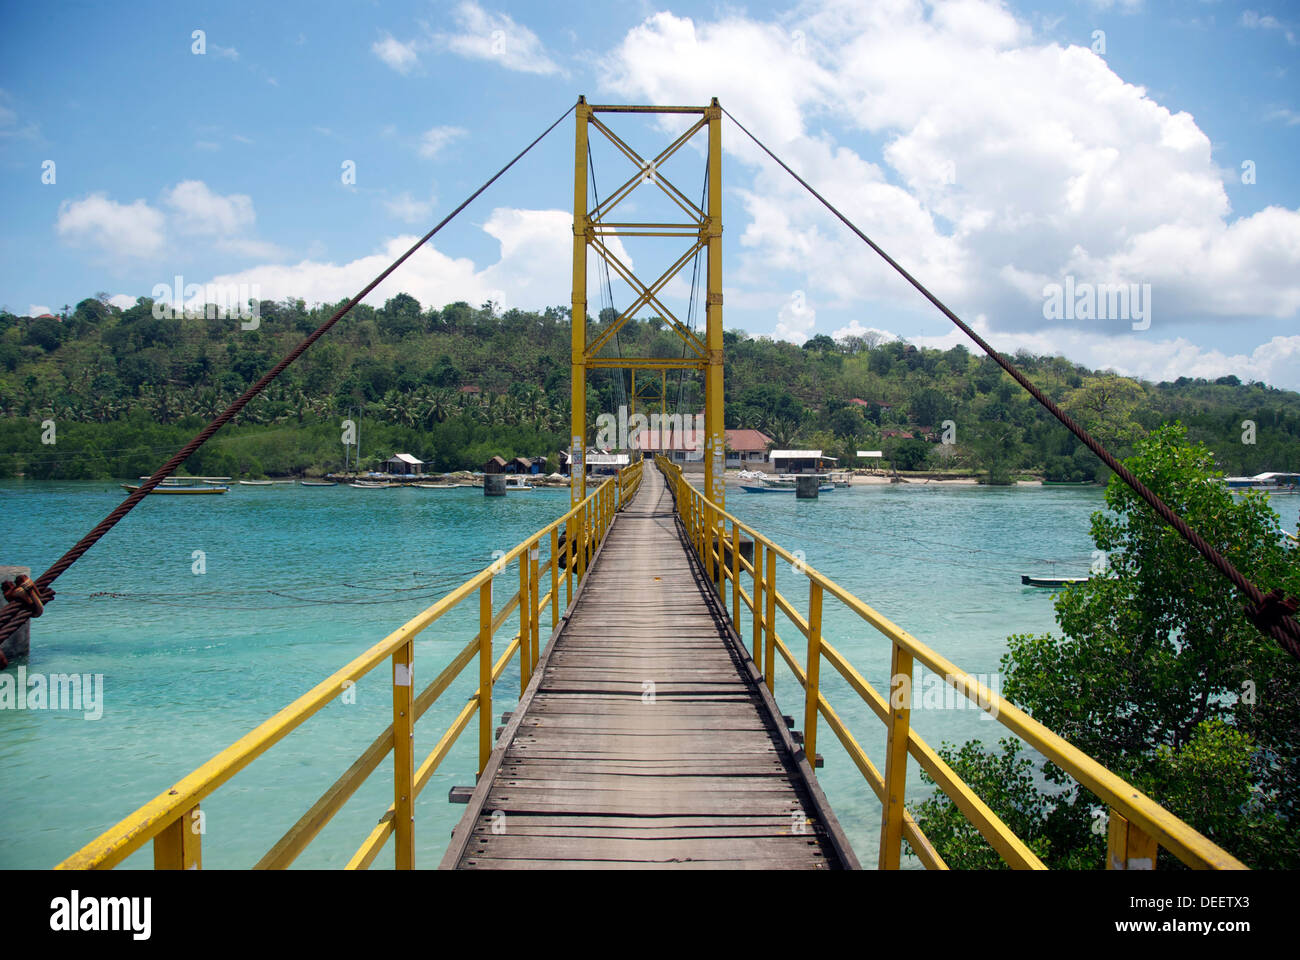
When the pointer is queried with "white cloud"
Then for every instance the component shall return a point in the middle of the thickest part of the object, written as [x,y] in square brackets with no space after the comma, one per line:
[192,211]
[36,310]
[1006,163]
[1125,6]
[123,231]
[534,268]
[856,329]
[485,35]
[123,301]
[795,319]
[197,210]
[402,57]
[1251,19]
[409,210]
[1276,362]
[432,141]
[10,129]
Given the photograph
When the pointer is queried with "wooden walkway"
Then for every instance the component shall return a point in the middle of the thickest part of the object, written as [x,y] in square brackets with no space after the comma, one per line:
[646,739]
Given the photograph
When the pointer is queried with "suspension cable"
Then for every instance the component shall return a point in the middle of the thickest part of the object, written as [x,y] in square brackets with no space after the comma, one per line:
[16,612]
[1272,613]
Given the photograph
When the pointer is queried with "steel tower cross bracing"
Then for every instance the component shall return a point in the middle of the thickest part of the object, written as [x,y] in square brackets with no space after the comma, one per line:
[703,232]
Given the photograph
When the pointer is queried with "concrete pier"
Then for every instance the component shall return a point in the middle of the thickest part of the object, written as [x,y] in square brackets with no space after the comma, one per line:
[805,488]
[494,484]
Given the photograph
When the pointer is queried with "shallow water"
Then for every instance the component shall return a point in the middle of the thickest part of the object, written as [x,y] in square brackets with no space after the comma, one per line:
[298,581]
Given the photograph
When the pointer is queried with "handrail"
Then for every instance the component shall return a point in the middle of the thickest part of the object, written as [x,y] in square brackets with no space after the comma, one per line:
[1137,824]
[173,819]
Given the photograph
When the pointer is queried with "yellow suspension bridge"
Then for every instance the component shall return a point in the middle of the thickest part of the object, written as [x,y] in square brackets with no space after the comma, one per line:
[646,733]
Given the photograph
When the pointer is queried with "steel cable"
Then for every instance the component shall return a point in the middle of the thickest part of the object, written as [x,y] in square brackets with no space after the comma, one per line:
[15,614]
[1272,613]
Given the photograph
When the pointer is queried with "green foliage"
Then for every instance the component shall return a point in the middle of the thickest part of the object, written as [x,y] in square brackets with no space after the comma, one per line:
[415,367]
[1159,675]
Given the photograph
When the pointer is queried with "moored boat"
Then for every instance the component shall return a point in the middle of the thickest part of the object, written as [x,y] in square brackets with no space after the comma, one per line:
[781,488]
[1050,582]
[172,488]
[319,483]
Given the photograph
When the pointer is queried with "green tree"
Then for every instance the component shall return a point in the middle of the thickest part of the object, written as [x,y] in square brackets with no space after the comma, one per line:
[1160,676]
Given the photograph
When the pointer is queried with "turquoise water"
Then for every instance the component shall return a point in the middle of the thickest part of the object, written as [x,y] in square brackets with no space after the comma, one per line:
[299,581]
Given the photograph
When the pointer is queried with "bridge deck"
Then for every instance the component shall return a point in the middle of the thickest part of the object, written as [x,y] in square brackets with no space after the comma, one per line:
[645,739]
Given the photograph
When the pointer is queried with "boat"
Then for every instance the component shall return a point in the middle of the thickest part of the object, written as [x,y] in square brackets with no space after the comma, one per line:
[517,484]
[370,485]
[1069,483]
[173,488]
[254,483]
[319,483]
[780,488]
[1272,483]
[436,486]
[1050,582]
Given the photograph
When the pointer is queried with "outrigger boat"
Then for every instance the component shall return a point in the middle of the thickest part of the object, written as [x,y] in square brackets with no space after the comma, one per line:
[319,483]
[781,488]
[1050,582]
[371,485]
[436,486]
[173,488]
[254,483]
[760,482]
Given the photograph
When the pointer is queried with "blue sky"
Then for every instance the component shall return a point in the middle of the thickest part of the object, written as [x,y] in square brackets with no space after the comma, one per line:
[993,148]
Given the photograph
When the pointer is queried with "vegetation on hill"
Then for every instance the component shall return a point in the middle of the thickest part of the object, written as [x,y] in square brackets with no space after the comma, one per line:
[455,385]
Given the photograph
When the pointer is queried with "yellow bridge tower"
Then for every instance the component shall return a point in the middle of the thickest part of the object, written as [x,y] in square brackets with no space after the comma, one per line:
[702,231]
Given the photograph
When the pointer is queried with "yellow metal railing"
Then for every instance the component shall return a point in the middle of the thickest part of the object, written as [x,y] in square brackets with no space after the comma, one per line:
[172,819]
[1137,825]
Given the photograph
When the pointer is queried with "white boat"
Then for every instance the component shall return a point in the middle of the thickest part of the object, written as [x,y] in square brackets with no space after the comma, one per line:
[1272,483]
[436,486]
[319,483]
[370,485]
[517,484]
[255,483]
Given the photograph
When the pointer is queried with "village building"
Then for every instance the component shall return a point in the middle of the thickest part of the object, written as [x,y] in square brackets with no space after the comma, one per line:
[802,461]
[404,465]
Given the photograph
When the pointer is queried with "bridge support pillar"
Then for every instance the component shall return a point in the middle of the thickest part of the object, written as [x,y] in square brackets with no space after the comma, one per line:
[805,488]
[494,484]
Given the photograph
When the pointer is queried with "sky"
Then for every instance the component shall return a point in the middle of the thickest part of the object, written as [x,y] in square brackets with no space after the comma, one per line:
[1026,161]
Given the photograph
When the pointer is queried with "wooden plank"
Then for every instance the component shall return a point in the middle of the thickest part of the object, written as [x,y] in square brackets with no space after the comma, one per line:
[487,863]
[592,775]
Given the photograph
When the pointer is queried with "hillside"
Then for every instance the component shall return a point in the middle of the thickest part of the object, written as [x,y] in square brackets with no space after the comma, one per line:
[455,385]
